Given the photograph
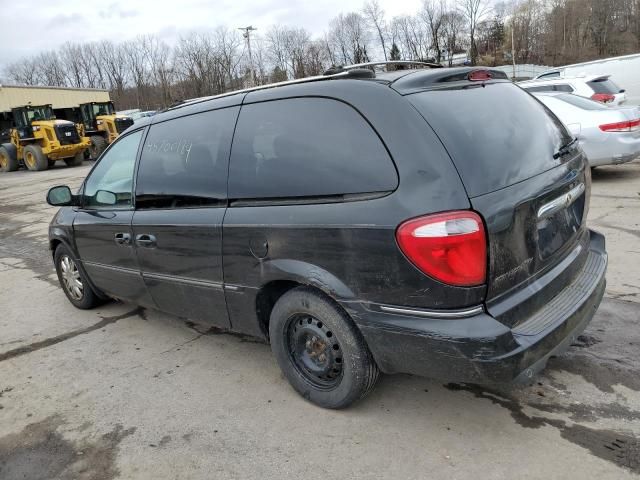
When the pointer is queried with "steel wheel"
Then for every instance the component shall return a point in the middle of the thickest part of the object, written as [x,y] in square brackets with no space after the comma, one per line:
[71,278]
[30,160]
[315,351]
[4,161]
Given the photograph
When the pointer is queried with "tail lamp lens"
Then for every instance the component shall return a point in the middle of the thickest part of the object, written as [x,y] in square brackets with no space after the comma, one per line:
[603,97]
[450,247]
[629,126]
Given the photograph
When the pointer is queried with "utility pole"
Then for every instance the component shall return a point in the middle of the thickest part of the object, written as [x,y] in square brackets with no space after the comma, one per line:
[247,36]
[513,51]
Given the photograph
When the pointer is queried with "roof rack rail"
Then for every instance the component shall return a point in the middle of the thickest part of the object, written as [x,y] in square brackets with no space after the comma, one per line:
[389,62]
[315,78]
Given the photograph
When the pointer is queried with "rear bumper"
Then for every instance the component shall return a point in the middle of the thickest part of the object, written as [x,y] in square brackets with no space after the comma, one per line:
[479,349]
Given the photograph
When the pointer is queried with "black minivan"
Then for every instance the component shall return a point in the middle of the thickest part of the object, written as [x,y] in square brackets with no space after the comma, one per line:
[426,221]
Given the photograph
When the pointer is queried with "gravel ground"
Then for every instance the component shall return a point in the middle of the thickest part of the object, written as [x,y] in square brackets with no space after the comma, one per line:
[124,392]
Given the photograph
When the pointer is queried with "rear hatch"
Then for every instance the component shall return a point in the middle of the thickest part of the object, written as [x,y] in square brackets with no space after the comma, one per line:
[605,86]
[530,188]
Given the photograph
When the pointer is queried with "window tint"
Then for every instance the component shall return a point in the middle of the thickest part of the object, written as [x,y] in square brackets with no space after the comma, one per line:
[184,161]
[306,147]
[581,102]
[563,87]
[114,173]
[604,86]
[496,133]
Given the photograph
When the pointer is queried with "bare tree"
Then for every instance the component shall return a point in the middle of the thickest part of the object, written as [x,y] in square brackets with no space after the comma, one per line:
[375,15]
[432,13]
[452,31]
[473,11]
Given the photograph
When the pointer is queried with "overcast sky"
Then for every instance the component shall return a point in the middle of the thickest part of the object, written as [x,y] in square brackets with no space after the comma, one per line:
[31,27]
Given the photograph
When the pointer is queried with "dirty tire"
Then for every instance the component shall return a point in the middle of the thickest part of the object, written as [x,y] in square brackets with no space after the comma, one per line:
[34,159]
[8,158]
[88,299]
[306,310]
[75,161]
[98,144]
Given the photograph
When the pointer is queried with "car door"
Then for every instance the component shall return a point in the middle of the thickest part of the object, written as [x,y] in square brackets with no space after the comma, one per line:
[181,197]
[102,225]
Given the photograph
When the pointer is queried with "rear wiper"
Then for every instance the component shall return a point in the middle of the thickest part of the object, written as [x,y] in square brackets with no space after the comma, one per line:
[564,149]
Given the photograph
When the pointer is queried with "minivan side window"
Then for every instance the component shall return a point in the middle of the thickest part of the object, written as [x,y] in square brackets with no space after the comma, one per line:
[185,160]
[306,147]
[114,174]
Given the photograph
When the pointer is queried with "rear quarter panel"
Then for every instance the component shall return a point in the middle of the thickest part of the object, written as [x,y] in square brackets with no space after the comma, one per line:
[348,249]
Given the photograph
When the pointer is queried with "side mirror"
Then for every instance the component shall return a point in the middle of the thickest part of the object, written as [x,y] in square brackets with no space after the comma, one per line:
[60,196]
[104,197]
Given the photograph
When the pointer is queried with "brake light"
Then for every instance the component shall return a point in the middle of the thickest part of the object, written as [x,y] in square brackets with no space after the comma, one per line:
[479,75]
[603,97]
[629,126]
[450,247]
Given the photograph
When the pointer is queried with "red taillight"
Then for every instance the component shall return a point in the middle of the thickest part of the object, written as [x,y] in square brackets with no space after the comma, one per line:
[603,97]
[629,126]
[450,247]
[479,75]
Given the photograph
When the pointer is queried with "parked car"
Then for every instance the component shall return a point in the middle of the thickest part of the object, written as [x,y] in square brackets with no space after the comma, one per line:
[431,222]
[608,135]
[140,115]
[595,87]
[623,70]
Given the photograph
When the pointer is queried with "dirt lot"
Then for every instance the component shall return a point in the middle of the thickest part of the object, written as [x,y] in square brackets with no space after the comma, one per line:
[123,392]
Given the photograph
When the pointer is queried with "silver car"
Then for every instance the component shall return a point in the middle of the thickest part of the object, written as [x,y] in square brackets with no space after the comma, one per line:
[608,135]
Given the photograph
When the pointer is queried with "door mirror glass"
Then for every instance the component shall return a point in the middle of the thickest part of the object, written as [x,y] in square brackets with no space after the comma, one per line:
[104,197]
[60,196]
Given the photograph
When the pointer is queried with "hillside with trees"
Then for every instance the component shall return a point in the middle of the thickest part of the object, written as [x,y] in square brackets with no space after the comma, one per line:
[148,73]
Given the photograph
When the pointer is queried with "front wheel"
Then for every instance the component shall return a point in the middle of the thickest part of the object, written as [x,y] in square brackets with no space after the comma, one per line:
[34,158]
[73,280]
[320,350]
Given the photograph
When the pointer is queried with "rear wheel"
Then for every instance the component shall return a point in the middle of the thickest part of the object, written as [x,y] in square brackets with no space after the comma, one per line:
[75,161]
[98,144]
[320,350]
[73,280]
[8,158]
[34,158]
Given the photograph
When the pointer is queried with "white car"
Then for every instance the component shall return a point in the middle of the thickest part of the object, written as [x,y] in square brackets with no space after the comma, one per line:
[596,87]
[623,70]
[608,135]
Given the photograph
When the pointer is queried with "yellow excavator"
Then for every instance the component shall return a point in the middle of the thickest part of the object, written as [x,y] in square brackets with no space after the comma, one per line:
[99,122]
[37,140]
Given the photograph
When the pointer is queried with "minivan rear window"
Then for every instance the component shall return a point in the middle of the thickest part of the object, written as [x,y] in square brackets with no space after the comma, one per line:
[496,133]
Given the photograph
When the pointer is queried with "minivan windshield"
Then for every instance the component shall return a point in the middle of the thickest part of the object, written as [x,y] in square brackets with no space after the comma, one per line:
[496,133]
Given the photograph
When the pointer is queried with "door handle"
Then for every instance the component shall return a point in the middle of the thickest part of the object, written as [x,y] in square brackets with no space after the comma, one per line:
[146,240]
[122,239]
